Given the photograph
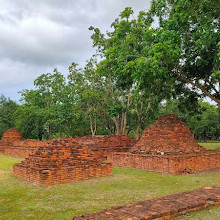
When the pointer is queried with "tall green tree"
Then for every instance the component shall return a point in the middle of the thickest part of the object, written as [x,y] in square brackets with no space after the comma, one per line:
[187,45]
[179,56]
[7,109]
[48,100]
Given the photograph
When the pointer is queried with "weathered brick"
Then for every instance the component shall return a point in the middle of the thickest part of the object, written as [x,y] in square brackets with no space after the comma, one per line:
[59,161]
[167,146]
[160,208]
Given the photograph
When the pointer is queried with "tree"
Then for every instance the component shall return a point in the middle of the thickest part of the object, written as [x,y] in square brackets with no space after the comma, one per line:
[7,109]
[188,35]
[202,119]
[181,55]
[49,101]
[124,51]
[30,120]
[205,124]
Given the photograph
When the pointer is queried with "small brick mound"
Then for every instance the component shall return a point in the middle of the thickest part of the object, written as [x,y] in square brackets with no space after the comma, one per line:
[60,161]
[13,134]
[160,208]
[168,135]
[9,137]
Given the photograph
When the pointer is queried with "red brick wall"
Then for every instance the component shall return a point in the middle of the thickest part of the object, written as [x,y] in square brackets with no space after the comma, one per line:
[102,145]
[60,161]
[62,175]
[175,164]
[108,141]
[22,148]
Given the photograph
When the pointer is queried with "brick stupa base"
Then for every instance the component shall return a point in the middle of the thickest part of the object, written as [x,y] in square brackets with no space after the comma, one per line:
[167,146]
[60,161]
[174,164]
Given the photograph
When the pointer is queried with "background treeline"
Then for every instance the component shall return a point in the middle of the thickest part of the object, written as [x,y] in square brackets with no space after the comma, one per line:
[166,60]
[87,104]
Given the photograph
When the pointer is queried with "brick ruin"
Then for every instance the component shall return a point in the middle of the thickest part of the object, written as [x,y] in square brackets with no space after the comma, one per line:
[22,148]
[11,135]
[60,161]
[102,145]
[167,146]
[13,145]
[168,135]
[162,208]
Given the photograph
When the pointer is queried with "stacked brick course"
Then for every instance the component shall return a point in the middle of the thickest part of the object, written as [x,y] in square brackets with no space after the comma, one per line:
[60,161]
[102,145]
[161,208]
[174,164]
[23,148]
[13,145]
[9,137]
[167,146]
[13,134]
[168,135]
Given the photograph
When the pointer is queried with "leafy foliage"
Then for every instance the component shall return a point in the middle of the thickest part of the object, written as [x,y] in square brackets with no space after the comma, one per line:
[7,109]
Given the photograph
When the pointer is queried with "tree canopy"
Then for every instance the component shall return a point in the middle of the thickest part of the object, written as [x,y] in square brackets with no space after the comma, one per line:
[163,61]
[178,56]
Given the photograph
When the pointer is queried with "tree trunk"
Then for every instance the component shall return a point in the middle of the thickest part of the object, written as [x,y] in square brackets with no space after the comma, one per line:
[116,124]
[91,126]
[138,132]
[49,133]
[124,124]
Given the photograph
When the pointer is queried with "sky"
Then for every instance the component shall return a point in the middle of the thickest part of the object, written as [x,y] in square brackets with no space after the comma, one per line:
[38,36]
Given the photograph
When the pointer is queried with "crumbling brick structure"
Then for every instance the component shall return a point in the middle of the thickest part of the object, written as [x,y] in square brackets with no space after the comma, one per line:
[167,146]
[23,148]
[12,134]
[168,135]
[13,145]
[162,208]
[60,161]
[102,145]
[8,137]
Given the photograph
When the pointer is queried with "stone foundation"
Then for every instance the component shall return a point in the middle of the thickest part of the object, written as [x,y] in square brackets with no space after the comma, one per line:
[174,164]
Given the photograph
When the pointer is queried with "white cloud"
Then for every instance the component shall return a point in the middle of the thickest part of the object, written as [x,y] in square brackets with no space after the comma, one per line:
[37,36]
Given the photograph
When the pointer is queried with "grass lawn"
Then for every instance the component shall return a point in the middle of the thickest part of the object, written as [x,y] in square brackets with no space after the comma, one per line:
[214,145]
[22,200]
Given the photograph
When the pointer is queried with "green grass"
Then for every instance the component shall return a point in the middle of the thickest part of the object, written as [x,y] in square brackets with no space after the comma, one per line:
[22,200]
[6,162]
[211,213]
[211,145]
